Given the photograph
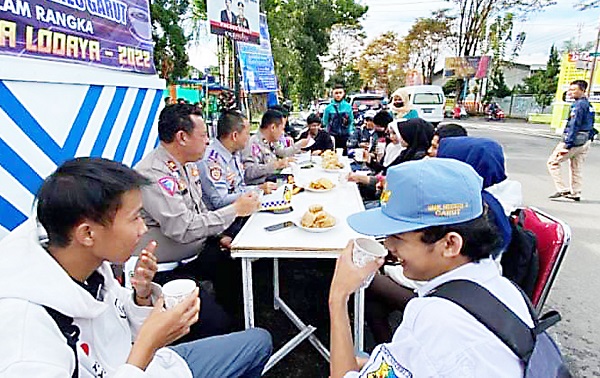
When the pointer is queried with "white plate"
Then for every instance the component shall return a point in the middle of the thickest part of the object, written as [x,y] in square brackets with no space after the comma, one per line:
[315,230]
[308,188]
[333,170]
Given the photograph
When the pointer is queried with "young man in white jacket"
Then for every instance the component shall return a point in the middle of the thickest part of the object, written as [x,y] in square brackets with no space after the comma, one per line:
[88,216]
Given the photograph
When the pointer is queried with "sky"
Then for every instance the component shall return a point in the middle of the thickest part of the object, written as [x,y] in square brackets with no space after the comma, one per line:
[554,24]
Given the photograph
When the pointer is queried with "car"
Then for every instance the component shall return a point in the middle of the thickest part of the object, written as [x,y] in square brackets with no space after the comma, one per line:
[427,100]
[371,100]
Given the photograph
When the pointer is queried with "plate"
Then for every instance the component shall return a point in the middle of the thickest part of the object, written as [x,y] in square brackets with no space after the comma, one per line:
[308,188]
[333,170]
[315,230]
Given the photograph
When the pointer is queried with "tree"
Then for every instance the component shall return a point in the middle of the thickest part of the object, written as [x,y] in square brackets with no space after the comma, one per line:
[300,35]
[347,42]
[542,84]
[473,16]
[426,39]
[170,55]
[348,76]
[381,65]
[587,4]
[571,45]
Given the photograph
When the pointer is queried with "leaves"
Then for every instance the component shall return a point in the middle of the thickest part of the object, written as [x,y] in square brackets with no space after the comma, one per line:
[382,64]
[543,83]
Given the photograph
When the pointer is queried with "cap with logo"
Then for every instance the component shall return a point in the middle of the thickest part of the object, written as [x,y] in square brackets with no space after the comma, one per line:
[421,194]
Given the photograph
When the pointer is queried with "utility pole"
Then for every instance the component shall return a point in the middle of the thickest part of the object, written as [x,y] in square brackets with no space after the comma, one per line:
[591,83]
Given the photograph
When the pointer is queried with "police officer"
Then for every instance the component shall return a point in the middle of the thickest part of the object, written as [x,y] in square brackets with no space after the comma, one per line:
[186,232]
[260,160]
[221,169]
[285,146]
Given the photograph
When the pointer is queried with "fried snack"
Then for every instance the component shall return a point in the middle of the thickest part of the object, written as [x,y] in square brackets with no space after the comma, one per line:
[330,160]
[316,217]
[322,184]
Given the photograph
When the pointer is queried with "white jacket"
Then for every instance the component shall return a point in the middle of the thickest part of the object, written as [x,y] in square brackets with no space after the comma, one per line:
[31,344]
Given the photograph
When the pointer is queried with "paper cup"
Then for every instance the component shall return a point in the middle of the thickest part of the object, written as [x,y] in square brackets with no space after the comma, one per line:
[364,251]
[343,178]
[339,152]
[176,291]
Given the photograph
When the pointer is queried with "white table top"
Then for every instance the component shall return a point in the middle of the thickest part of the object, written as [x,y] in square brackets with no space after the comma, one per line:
[254,241]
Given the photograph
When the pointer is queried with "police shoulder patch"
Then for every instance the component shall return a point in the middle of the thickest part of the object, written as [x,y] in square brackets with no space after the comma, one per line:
[255,150]
[215,172]
[168,184]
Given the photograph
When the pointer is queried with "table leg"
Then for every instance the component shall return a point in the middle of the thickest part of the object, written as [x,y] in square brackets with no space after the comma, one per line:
[288,347]
[248,292]
[359,319]
[276,284]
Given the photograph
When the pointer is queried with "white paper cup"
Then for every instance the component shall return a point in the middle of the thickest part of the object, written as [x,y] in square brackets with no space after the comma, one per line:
[339,152]
[364,251]
[343,178]
[176,291]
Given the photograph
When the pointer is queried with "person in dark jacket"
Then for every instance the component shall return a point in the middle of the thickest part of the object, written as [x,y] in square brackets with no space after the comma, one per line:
[322,139]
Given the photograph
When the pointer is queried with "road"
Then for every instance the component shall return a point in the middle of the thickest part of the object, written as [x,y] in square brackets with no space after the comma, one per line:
[575,292]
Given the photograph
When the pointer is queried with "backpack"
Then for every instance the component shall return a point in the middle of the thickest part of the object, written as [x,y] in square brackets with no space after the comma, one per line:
[69,330]
[520,262]
[338,123]
[537,351]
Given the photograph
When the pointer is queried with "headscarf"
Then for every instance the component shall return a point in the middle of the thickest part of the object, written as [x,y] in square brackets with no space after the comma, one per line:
[392,150]
[417,133]
[400,112]
[484,155]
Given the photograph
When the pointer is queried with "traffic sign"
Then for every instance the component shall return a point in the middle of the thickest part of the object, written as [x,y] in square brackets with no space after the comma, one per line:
[595,54]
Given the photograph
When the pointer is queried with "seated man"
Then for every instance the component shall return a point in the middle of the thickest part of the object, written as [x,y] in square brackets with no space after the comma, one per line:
[322,139]
[260,160]
[221,169]
[438,234]
[285,146]
[187,233]
[63,313]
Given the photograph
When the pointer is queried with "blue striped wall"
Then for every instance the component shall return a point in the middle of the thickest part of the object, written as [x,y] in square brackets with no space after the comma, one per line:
[44,124]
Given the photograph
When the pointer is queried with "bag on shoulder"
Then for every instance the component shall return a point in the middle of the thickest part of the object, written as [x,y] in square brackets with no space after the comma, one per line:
[520,262]
[537,351]
[338,123]
[69,330]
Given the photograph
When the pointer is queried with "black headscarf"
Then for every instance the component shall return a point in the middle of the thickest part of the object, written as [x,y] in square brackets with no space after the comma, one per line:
[417,133]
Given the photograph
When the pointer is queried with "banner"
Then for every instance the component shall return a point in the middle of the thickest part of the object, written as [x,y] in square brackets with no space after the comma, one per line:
[237,19]
[467,67]
[109,33]
[256,62]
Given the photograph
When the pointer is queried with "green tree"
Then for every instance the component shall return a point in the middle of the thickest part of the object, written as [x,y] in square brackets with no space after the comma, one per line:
[542,84]
[426,39]
[587,4]
[571,45]
[382,64]
[170,55]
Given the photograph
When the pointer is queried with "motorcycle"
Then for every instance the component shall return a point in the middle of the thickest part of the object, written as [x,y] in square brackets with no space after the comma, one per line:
[496,115]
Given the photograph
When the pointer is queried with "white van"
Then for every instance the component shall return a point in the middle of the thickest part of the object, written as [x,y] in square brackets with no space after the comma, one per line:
[427,100]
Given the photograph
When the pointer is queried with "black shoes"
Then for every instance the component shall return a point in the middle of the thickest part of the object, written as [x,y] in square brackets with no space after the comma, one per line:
[558,195]
[572,197]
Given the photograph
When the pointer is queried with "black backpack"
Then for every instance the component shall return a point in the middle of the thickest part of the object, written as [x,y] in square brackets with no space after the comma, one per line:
[69,330]
[520,262]
[533,346]
[338,123]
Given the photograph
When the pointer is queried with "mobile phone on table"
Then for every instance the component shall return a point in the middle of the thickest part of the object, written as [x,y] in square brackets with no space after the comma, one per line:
[279,226]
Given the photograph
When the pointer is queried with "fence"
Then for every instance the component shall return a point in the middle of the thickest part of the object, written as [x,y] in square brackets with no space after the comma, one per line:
[520,106]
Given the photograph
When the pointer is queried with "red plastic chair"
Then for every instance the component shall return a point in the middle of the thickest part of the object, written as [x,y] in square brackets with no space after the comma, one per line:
[553,239]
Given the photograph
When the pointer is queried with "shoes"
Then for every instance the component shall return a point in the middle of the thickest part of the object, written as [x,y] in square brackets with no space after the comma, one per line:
[572,197]
[558,195]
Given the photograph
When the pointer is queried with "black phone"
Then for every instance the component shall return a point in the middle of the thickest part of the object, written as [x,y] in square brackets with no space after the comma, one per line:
[279,226]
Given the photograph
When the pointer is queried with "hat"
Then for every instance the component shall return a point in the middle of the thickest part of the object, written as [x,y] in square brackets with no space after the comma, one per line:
[370,114]
[421,194]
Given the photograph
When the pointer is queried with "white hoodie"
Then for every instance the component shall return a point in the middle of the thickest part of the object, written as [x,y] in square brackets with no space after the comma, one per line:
[31,344]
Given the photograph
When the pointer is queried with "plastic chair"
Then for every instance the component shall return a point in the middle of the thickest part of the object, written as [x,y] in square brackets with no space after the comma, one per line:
[553,239]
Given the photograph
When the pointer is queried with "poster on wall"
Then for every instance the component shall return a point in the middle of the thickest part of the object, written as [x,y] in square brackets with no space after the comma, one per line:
[256,62]
[235,19]
[467,67]
[107,33]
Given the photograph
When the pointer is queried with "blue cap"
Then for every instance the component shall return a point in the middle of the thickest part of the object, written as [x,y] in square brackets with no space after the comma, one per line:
[421,194]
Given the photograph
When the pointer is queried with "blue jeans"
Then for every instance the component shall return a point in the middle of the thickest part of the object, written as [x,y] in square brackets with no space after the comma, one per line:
[239,354]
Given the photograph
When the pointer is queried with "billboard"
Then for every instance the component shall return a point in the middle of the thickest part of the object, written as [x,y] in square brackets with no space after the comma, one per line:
[235,19]
[108,33]
[467,67]
[256,62]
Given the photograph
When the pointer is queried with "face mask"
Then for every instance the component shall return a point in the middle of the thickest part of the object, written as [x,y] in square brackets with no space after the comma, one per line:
[398,104]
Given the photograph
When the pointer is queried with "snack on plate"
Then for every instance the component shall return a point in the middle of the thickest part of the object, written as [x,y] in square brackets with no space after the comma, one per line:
[316,217]
[330,160]
[321,184]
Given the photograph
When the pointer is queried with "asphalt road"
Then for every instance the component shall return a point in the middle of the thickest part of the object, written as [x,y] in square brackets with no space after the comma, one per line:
[575,291]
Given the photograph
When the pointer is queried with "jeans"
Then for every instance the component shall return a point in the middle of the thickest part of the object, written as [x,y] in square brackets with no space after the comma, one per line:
[239,354]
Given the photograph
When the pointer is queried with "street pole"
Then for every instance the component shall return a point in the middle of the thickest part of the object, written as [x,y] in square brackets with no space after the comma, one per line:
[236,75]
[589,90]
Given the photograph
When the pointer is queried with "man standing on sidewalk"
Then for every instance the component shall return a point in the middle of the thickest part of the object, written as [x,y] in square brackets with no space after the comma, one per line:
[575,144]
[338,118]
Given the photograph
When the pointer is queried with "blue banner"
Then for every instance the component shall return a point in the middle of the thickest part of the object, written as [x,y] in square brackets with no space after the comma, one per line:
[256,62]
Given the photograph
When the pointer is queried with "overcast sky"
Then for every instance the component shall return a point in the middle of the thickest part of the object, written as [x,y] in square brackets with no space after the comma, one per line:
[555,24]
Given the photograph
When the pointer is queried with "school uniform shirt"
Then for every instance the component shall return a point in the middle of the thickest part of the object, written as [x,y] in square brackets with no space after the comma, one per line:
[437,338]
[221,176]
[173,209]
[259,159]
[31,343]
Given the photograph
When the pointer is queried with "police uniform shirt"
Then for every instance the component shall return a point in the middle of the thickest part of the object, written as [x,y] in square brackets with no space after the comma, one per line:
[221,176]
[173,209]
[437,338]
[282,149]
[259,159]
